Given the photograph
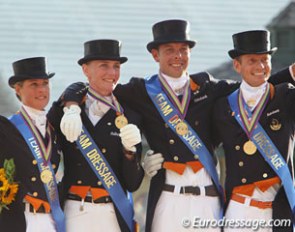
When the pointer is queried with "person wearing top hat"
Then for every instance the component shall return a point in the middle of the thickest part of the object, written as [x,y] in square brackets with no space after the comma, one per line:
[30,155]
[256,126]
[184,183]
[97,180]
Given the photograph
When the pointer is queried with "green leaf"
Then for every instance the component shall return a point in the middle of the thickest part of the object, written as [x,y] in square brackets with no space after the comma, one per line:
[9,168]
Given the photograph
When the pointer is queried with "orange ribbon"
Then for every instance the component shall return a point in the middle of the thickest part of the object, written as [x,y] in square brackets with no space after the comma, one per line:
[263,185]
[37,203]
[82,191]
[180,167]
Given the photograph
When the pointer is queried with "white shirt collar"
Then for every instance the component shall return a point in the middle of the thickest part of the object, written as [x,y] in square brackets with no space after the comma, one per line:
[252,94]
[176,84]
[33,113]
[38,117]
[96,109]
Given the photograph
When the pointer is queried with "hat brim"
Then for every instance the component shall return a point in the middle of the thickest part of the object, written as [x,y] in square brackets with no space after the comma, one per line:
[17,78]
[155,44]
[234,53]
[90,58]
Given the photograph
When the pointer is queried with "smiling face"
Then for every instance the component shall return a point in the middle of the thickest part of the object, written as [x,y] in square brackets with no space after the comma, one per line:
[173,58]
[102,75]
[34,93]
[255,69]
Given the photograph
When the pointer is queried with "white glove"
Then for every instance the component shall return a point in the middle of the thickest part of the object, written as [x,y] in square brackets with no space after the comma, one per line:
[152,162]
[130,136]
[71,123]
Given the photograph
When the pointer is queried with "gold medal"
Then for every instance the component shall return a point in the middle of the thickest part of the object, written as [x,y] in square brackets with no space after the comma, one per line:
[46,176]
[121,121]
[249,148]
[181,128]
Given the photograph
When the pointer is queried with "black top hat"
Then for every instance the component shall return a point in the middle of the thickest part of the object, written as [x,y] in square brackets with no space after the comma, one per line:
[102,49]
[251,42]
[170,31]
[29,68]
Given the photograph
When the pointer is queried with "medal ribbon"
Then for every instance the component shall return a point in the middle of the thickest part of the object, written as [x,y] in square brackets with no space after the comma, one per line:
[103,171]
[181,106]
[269,152]
[250,120]
[45,150]
[50,187]
[170,115]
[114,104]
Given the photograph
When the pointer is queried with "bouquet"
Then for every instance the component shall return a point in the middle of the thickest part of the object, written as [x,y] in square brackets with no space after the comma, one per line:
[8,188]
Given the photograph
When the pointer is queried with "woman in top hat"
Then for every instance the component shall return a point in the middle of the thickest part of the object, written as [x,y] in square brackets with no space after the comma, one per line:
[258,138]
[30,142]
[103,165]
[184,182]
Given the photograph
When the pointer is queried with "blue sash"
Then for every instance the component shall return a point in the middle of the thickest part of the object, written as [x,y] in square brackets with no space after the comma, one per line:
[105,174]
[268,150]
[51,186]
[191,139]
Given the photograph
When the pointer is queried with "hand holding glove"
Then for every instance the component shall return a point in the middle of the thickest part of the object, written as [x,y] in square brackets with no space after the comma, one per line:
[130,136]
[152,162]
[71,123]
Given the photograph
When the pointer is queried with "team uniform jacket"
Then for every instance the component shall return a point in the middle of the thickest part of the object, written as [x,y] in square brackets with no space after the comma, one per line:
[159,136]
[106,135]
[278,121]
[27,175]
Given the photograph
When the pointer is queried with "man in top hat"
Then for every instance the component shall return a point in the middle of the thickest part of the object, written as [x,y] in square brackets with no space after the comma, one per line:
[28,139]
[256,126]
[104,163]
[176,108]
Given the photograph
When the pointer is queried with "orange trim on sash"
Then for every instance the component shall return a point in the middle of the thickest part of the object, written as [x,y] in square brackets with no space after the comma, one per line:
[263,185]
[37,203]
[180,167]
[82,191]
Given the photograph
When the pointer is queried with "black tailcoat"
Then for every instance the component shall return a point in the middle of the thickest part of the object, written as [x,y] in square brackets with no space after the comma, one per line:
[278,121]
[12,145]
[106,136]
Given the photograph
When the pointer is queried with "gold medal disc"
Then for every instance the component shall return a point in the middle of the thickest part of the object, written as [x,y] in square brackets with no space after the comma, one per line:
[121,121]
[46,176]
[249,148]
[181,128]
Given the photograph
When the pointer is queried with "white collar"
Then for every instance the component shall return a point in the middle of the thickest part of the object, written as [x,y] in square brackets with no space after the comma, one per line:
[176,84]
[90,99]
[38,118]
[251,89]
[96,109]
[252,94]
[34,113]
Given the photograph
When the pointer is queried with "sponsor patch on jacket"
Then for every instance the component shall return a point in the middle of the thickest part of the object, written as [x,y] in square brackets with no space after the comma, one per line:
[200,98]
[114,133]
[273,112]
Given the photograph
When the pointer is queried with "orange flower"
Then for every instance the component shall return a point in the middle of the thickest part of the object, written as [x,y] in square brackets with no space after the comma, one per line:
[8,188]
[9,195]
[3,182]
